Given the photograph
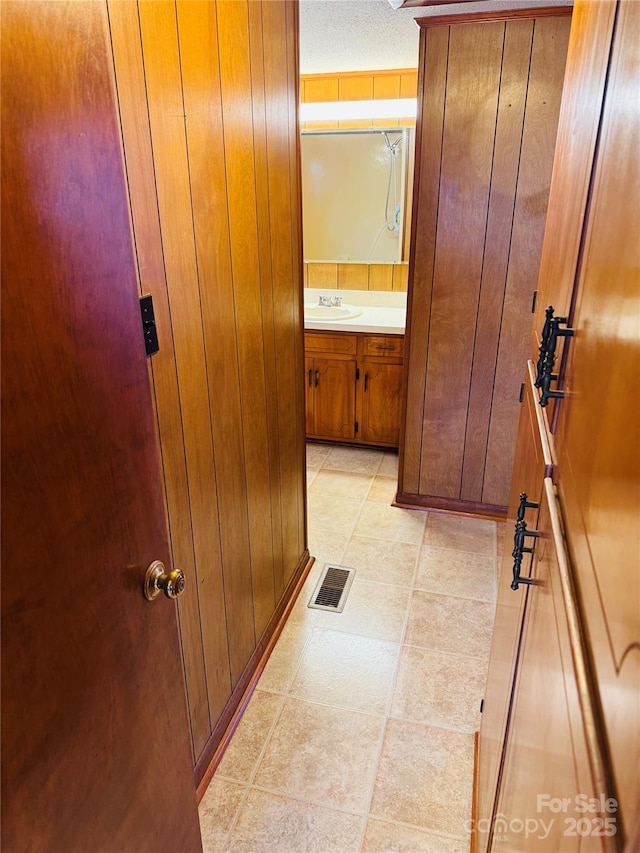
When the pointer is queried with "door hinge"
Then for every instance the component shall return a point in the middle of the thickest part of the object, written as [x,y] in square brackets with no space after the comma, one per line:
[357,373]
[521,395]
[355,427]
[482,706]
[534,301]
[149,330]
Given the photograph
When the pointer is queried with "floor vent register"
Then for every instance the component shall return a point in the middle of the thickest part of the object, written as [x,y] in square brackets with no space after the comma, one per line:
[332,589]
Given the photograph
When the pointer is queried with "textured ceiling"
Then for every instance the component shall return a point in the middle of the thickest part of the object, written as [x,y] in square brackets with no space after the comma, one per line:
[365,35]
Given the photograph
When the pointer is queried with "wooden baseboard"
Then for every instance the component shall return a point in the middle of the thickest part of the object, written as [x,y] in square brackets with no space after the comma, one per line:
[470,508]
[474,796]
[231,715]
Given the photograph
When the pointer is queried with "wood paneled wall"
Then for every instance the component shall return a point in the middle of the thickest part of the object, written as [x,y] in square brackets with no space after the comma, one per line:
[359,86]
[489,99]
[208,94]
[356,276]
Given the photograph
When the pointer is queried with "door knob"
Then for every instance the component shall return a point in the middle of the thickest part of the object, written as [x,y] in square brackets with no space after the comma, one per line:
[158,580]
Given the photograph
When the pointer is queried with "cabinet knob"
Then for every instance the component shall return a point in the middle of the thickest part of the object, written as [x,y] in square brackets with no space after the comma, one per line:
[158,580]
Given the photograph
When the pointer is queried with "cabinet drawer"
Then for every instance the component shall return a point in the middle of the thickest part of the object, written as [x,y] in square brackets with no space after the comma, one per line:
[383,345]
[329,342]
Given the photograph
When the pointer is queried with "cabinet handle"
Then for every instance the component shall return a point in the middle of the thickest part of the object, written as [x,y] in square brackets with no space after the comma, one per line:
[519,550]
[317,378]
[381,346]
[310,377]
[547,356]
[525,503]
[366,381]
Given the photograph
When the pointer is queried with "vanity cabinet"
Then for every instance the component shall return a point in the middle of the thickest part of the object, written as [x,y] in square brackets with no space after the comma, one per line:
[353,387]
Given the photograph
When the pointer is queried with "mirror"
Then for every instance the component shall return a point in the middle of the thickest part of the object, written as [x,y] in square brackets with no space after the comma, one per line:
[355,199]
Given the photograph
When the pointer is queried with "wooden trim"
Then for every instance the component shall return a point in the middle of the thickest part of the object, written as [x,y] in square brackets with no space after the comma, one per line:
[232,714]
[504,15]
[473,842]
[471,508]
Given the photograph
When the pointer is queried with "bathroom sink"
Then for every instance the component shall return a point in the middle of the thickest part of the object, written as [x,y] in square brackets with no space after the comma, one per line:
[331,312]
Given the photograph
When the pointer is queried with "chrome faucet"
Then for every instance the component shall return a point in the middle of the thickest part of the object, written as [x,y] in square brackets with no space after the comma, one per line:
[330,300]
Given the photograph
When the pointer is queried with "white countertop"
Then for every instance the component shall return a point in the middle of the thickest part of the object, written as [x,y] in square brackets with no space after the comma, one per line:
[383,313]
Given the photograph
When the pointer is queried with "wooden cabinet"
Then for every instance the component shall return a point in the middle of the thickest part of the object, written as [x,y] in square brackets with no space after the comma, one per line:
[488,111]
[571,731]
[354,387]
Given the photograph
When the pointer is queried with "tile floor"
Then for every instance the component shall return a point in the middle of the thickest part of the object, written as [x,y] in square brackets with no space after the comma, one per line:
[359,736]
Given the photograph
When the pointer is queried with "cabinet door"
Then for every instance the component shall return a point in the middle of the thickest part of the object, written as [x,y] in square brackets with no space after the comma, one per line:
[309,395]
[550,798]
[381,399]
[334,406]
[533,461]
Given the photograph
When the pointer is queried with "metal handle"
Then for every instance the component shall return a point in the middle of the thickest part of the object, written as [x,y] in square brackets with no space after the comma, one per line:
[519,550]
[366,381]
[381,346]
[157,580]
[310,377]
[524,504]
[547,355]
[317,378]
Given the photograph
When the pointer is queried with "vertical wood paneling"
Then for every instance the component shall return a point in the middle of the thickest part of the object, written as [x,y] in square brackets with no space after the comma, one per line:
[209,117]
[434,52]
[353,276]
[201,86]
[279,82]
[506,160]
[551,36]
[295,296]
[473,81]
[381,277]
[237,117]
[166,118]
[474,271]
[127,53]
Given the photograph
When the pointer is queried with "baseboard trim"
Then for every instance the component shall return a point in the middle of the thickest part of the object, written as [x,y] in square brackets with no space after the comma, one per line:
[232,713]
[471,508]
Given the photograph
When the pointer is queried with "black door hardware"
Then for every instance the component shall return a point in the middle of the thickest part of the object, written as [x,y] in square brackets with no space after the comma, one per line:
[149,330]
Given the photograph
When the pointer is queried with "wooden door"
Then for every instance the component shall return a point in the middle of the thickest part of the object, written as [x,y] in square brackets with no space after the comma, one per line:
[334,397]
[95,744]
[550,798]
[532,463]
[381,399]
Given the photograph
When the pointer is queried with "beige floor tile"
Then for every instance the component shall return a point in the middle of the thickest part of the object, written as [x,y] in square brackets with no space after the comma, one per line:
[383,490]
[439,690]
[384,562]
[355,459]
[383,837]
[322,755]
[389,464]
[391,523]
[456,625]
[316,455]
[249,738]
[312,473]
[347,671]
[272,824]
[341,484]
[326,546]
[302,614]
[217,811]
[281,667]
[334,514]
[460,573]
[461,533]
[425,778]
[372,610]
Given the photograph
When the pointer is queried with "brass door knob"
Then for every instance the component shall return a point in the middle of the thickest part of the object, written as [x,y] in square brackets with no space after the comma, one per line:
[158,580]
